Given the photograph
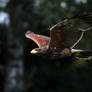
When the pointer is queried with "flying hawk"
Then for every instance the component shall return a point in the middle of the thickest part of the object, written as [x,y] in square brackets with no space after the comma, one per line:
[63,36]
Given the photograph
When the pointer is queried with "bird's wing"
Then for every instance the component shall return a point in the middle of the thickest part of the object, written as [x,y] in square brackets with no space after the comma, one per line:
[40,40]
[69,32]
[82,53]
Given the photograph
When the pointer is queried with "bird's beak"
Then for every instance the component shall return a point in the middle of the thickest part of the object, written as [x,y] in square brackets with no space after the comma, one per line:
[34,51]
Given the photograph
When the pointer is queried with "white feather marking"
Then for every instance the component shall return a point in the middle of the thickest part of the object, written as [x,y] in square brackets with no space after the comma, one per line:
[76,50]
[78,40]
[83,30]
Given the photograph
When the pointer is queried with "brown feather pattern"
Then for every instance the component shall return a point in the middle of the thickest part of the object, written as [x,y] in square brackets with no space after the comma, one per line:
[40,40]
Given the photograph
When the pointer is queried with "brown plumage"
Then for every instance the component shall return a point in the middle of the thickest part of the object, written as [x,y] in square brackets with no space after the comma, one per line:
[63,36]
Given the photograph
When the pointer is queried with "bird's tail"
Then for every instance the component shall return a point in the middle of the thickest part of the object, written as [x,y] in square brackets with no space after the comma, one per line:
[82,53]
[29,32]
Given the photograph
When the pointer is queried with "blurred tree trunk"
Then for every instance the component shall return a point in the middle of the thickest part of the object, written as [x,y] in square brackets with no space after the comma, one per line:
[14,63]
[3,51]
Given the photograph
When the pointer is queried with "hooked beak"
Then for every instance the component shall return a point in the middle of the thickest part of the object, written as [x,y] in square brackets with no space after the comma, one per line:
[34,51]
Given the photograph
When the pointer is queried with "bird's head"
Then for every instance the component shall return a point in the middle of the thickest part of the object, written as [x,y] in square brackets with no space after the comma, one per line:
[36,51]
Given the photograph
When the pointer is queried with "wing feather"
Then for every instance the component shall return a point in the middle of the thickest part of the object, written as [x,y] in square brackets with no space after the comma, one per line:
[69,32]
[40,40]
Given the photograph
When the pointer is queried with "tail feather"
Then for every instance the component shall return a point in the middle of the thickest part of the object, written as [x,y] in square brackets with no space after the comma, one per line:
[29,32]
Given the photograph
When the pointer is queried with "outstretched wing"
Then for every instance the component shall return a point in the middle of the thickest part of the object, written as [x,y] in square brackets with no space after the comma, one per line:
[40,40]
[69,32]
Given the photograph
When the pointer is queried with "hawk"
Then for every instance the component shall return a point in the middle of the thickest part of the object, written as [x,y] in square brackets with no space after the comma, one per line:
[63,36]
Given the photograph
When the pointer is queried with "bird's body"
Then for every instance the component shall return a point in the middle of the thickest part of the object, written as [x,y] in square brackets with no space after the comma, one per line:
[63,36]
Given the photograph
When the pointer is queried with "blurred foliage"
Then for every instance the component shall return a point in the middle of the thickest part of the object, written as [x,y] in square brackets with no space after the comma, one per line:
[41,74]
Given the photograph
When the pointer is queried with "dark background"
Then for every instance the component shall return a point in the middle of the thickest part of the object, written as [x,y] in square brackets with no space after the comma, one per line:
[22,72]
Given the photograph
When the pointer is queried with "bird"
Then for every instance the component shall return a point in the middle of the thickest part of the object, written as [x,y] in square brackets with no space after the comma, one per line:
[64,36]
